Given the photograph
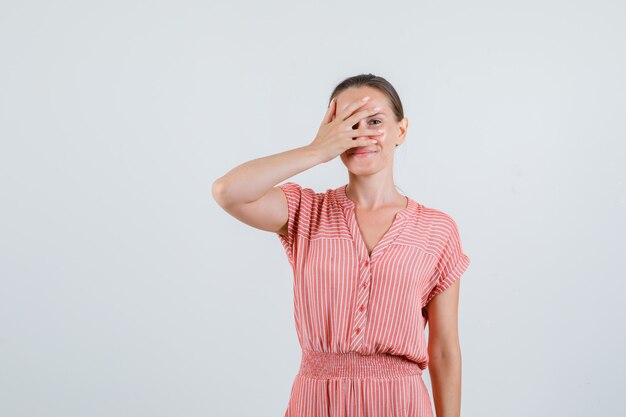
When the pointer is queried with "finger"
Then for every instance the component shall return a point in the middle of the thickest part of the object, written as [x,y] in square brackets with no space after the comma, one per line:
[368,112]
[363,142]
[355,133]
[345,113]
[328,117]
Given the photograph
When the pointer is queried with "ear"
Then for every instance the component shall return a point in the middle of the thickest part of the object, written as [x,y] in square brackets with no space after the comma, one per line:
[403,127]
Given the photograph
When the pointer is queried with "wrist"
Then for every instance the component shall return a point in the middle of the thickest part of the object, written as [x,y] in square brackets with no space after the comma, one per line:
[314,153]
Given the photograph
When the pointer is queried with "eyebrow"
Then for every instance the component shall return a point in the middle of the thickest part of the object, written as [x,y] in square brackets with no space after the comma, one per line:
[375,114]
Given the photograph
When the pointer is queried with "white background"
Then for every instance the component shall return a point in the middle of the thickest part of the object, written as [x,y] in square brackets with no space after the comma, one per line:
[127,291]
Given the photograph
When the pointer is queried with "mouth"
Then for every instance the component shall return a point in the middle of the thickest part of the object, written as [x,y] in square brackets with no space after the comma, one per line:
[362,153]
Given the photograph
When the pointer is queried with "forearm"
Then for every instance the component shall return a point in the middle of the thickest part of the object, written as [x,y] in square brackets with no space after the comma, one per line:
[445,376]
[251,180]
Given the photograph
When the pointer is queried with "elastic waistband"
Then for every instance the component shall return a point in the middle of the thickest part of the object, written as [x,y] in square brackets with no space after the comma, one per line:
[355,365]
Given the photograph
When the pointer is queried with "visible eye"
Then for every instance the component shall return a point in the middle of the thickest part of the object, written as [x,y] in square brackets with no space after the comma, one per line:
[376,120]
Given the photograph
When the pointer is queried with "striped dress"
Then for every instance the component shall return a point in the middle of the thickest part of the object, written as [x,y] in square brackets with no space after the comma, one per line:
[360,318]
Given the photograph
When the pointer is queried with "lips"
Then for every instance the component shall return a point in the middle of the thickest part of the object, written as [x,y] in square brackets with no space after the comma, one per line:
[362,152]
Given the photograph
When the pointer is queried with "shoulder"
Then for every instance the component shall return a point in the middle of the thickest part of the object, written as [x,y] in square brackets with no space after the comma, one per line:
[293,188]
[436,219]
[302,196]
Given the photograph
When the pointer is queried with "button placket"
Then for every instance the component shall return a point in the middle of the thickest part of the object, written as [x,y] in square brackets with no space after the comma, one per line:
[362,301]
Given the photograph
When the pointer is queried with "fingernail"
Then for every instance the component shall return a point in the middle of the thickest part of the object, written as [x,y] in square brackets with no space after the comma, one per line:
[365,98]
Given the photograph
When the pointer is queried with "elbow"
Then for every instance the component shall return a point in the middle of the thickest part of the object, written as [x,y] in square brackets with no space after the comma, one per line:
[451,353]
[444,348]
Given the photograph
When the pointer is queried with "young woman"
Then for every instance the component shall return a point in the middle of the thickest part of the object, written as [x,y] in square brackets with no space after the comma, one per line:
[371,266]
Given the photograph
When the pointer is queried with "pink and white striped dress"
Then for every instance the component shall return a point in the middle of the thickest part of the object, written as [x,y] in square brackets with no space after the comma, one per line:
[360,318]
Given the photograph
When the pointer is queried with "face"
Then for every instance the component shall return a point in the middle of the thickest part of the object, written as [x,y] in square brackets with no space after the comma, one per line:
[394,132]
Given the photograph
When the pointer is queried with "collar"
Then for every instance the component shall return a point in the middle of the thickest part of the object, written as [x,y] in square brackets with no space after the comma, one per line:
[347,204]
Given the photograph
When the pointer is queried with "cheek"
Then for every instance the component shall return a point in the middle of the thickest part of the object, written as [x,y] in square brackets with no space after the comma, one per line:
[382,138]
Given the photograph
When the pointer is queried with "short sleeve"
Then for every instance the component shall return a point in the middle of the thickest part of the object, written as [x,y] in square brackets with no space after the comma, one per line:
[451,262]
[299,202]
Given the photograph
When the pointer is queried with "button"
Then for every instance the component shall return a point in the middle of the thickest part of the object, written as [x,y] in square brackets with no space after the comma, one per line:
[365,285]
[357,330]
[361,308]
[367,263]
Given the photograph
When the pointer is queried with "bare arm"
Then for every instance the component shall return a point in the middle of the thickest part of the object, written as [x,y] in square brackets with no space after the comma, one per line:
[444,352]
[248,191]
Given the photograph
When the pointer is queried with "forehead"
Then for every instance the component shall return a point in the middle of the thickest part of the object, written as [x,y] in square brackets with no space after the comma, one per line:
[346,97]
